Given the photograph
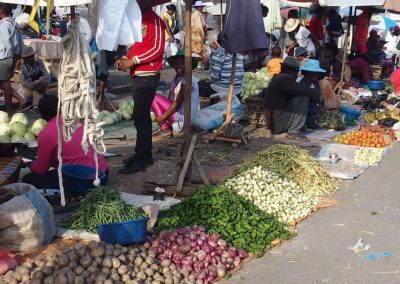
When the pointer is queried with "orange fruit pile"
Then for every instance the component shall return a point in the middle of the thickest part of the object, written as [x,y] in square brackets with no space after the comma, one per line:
[363,138]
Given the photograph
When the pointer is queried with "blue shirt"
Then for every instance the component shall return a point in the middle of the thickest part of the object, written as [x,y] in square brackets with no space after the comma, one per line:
[221,69]
[11,41]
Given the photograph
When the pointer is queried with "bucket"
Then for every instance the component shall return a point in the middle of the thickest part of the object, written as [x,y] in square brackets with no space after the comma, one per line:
[350,115]
[78,179]
[124,233]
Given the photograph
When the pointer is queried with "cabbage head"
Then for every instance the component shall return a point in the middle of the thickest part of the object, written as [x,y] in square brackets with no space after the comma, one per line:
[17,138]
[3,117]
[21,117]
[4,139]
[4,129]
[29,137]
[17,128]
[38,126]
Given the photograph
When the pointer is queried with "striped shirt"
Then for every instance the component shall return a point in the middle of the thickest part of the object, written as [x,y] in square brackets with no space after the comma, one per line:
[221,68]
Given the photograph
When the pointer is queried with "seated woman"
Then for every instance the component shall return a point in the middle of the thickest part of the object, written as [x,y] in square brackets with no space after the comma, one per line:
[311,75]
[72,153]
[363,62]
[169,111]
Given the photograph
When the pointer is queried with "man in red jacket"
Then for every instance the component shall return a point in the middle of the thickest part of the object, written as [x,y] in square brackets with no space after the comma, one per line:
[144,60]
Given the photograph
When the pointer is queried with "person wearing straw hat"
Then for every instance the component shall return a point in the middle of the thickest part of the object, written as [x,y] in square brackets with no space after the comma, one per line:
[302,35]
[34,77]
[286,101]
[169,111]
[312,72]
[198,32]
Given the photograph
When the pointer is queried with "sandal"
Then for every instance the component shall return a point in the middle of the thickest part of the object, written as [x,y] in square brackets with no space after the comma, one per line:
[162,133]
[297,137]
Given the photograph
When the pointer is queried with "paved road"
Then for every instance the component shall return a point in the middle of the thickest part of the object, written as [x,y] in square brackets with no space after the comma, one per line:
[368,207]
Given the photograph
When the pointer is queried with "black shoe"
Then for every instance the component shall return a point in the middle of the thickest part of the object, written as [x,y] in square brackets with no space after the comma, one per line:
[132,159]
[129,160]
[135,167]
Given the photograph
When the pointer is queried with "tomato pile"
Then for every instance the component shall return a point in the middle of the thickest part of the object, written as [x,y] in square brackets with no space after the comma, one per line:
[363,137]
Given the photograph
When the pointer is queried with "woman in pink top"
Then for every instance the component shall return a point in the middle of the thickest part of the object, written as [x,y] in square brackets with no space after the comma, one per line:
[72,153]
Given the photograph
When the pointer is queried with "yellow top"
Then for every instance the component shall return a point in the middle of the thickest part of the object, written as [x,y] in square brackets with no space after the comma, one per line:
[274,67]
[167,17]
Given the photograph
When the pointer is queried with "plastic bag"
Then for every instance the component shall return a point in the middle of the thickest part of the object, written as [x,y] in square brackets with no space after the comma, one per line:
[27,220]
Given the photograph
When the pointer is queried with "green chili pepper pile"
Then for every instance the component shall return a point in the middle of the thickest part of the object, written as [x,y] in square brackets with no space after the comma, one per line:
[222,211]
[103,206]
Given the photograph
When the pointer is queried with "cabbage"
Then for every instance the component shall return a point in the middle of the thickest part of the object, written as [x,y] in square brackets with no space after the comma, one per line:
[29,137]
[254,83]
[108,120]
[126,107]
[4,129]
[103,114]
[17,128]
[38,126]
[114,116]
[3,117]
[21,117]
[4,139]
[153,116]
[119,115]
[17,138]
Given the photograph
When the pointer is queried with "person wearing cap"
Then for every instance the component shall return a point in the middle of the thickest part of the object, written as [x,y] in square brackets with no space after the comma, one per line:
[302,35]
[301,54]
[144,59]
[34,77]
[312,73]
[286,101]
[169,111]
[198,32]
[10,52]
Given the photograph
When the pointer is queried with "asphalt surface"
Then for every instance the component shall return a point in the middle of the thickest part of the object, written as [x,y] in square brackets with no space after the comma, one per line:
[368,207]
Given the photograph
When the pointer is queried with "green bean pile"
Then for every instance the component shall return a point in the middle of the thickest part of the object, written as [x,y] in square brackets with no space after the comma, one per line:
[103,206]
[295,164]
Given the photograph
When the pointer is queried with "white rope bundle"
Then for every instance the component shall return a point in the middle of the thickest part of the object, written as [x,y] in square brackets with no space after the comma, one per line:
[77,98]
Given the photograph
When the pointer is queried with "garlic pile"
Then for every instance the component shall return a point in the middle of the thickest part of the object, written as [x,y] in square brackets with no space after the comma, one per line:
[273,194]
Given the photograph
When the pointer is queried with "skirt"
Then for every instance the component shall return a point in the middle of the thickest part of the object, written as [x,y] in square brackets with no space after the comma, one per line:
[6,69]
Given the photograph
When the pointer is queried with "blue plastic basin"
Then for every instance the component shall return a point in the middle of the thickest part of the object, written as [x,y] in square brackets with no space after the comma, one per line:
[351,115]
[124,233]
[78,179]
[375,85]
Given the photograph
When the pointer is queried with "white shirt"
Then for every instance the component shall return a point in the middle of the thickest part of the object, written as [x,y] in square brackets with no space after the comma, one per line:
[11,41]
[304,40]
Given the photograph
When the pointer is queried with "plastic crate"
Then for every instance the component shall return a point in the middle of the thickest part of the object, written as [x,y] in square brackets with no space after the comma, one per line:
[124,233]
[255,109]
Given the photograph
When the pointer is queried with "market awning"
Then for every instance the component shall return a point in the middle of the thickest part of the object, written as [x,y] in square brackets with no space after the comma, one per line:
[44,3]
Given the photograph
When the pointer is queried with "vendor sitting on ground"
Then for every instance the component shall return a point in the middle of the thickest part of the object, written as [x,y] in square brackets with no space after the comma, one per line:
[72,153]
[311,75]
[220,72]
[301,54]
[169,111]
[34,77]
[286,101]
[274,64]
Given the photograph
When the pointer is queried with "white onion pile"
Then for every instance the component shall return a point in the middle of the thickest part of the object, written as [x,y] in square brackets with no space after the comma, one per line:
[272,194]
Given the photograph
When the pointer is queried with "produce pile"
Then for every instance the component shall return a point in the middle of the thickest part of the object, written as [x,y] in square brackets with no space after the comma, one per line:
[125,112]
[331,120]
[368,156]
[197,254]
[102,206]
[372,116]
[17,129]
[237,220]
[364,137]
[254,83]
[294,164]
[273,194]
[99,263]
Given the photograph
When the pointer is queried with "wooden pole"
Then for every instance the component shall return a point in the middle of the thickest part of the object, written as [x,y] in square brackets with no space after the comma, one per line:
[345,46]
[188,77]
[222,20]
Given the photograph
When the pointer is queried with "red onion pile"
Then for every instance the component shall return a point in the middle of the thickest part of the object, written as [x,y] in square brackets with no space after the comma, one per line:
[199,256]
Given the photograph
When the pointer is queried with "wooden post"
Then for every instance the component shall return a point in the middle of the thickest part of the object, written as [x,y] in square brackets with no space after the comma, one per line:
[188,77]
[222,20]
[345,45]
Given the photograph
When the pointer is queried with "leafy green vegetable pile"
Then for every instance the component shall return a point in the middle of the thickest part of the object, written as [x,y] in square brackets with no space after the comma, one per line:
[103,206]
[222,211]
[332,120]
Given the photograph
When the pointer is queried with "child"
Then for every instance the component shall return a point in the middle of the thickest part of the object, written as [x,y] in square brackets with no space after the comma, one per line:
[274,65]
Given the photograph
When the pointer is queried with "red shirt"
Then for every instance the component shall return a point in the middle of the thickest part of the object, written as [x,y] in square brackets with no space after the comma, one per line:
[148,54]
[72,152]
[361,32]
[316,28]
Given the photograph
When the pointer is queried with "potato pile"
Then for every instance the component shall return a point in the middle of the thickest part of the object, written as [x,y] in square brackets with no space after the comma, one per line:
[98,263]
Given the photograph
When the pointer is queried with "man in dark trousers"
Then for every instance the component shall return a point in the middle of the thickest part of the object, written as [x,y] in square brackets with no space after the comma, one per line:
[144,60]
[286,101]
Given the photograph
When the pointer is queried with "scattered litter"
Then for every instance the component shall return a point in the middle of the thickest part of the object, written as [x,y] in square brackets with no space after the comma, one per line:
[374,256]
[359,246]
[370,233]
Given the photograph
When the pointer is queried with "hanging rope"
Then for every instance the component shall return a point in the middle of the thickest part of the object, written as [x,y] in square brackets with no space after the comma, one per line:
[77,98]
